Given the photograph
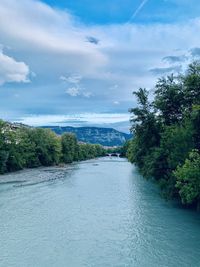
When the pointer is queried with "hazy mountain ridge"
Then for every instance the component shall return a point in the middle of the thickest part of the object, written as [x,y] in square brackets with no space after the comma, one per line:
[94,135]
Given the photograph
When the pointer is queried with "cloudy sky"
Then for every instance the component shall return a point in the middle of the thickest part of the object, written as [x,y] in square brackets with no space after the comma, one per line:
[76,62]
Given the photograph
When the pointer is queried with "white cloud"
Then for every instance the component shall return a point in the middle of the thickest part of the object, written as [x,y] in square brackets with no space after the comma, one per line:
[76,119]
[87,94]
[124,55]
[74,79]
[73,91]
[12,70]
[78,91]
[133,50]
[53,44]
[35,26]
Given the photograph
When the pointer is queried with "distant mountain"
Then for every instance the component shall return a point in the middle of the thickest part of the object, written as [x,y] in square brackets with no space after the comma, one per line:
[94,135]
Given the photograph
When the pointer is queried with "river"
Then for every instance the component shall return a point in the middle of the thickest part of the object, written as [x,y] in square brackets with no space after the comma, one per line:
[97,213]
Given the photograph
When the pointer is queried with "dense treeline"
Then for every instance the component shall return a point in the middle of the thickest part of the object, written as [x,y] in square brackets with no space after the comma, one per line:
[166,144]
[23,147]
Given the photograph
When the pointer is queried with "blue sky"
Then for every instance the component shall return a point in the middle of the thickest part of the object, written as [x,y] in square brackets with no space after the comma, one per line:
[99,12]
[120,11]
[77,62]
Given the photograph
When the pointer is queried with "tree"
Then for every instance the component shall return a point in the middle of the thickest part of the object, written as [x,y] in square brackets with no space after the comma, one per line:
[69,145]
[188,179]
[3,148]
[47,146]
[192,86]
[132,150]
[195,120]
[24,147]
[166,130]
[169,99]
[144,127]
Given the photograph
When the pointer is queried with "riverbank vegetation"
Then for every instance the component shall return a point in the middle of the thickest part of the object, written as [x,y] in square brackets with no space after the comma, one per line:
[24,147]
[166,144]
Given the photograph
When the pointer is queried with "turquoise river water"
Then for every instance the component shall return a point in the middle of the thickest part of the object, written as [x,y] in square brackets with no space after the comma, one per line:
[97,213]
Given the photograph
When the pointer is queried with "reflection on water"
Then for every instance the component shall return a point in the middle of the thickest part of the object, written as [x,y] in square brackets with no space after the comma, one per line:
[95,213]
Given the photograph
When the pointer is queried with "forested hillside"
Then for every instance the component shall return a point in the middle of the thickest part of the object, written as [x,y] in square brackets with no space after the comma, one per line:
[24,147]
[94,135]
[166,145]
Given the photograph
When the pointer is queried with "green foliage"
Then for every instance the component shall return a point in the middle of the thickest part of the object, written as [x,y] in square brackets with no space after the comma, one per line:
[145,128]
[192,86]
[89,151]
[22,147]
[131,151]
[166,130]
[169,99]
[69,147]
[3,161]
[176,142]
[188,179]
[47,146]
[124,150]
[195,120]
